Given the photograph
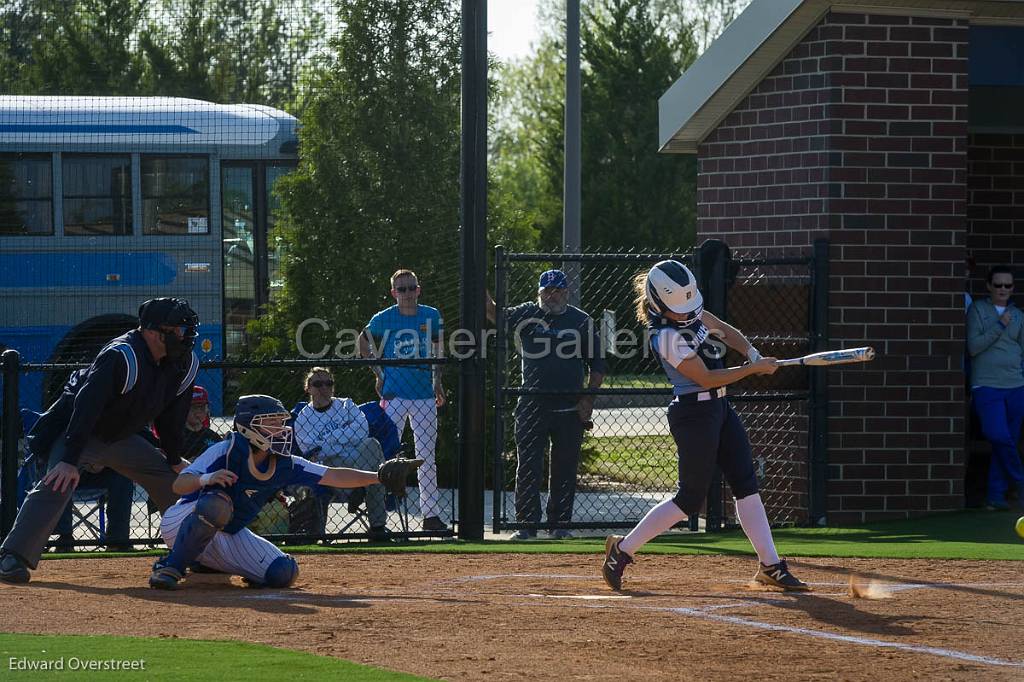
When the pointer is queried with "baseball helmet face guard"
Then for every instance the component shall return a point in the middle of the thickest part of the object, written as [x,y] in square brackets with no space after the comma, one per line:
[261,420]
[672,288]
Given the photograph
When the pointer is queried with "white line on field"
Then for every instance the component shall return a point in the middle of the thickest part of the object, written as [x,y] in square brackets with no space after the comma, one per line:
[703,613]
[502,576]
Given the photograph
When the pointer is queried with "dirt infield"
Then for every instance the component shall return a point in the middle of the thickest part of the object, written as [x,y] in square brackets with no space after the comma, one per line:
[515,616]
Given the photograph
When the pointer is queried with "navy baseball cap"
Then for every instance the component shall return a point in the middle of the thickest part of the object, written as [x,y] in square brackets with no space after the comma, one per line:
[555,279]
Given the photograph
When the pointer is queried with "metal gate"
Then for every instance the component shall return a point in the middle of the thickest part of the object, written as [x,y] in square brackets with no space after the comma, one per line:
[628,462]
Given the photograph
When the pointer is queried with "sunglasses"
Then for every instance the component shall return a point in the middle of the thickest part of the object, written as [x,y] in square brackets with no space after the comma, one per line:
[320,383]
[1002,285]
[403,290]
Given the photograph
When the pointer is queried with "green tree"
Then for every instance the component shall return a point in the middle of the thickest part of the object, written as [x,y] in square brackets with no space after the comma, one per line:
[632,196]
[76,47]
[632,51]
[252,51]
[378,183]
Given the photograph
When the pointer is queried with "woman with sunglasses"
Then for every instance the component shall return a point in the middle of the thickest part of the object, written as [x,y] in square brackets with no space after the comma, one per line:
[995,341]
[688,341]
[334,432]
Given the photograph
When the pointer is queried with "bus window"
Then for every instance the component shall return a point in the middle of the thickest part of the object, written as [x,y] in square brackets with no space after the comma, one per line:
[275,245]
[26,194]
[239,265]
[175,195]
[97,195]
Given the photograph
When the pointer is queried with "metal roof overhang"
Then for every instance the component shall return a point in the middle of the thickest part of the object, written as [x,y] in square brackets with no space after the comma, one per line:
[757,40]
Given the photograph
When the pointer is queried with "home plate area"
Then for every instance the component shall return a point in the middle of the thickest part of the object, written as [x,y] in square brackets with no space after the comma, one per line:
[529,616]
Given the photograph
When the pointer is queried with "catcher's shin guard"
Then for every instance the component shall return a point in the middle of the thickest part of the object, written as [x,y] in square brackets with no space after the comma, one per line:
[213,511]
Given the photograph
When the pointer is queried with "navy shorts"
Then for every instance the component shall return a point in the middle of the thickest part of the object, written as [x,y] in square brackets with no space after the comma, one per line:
[709,433]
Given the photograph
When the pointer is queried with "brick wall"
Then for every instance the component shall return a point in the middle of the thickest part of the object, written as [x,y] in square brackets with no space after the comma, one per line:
[860,135]
[995,205]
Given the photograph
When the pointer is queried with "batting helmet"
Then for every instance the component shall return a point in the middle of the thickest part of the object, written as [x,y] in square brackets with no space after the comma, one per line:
[671,287]
[261,420]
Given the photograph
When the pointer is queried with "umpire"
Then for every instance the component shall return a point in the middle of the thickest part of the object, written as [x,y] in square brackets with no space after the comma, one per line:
[142,377]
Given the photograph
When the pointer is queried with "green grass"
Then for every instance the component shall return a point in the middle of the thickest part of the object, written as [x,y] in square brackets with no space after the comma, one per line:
[635,381]
[178,660]
[650,460]
[956,535]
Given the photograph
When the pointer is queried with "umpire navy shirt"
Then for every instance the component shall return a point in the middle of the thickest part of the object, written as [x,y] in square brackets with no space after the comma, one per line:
[555,349]
[106,401]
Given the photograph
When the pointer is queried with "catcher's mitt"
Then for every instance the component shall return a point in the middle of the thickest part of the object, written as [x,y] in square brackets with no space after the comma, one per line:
[394,472]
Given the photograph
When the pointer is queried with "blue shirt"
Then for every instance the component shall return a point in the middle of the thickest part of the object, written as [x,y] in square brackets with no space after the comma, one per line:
[407,336]
[254,488]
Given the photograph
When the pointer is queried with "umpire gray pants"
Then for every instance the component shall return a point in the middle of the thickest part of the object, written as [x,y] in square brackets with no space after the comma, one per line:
[133,457]
[536,426]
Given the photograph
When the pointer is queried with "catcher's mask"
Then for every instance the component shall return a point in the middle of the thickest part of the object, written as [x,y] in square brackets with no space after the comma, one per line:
[671,287]
[261,419]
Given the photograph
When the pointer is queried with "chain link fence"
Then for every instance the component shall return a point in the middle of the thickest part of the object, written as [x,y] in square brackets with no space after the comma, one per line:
[555,469]
[338,420]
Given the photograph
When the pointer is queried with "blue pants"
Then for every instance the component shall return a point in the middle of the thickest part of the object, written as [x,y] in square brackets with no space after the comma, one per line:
[537,425]
[708,434]
[1001,411]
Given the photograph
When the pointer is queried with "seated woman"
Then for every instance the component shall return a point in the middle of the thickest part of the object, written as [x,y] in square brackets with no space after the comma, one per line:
[225,488]
[333,431]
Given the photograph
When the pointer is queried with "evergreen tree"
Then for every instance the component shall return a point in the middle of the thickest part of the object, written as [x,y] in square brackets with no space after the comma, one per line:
[378,184]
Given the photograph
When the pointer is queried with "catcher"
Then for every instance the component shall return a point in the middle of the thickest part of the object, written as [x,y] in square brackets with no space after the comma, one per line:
[225,488]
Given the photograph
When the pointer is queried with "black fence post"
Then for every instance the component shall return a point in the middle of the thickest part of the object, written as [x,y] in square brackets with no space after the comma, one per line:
[500,366]
[11,430]
[818,417]
[712,264]
[472,391]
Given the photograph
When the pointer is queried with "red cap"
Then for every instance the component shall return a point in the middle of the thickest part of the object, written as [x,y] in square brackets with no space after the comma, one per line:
[199,395]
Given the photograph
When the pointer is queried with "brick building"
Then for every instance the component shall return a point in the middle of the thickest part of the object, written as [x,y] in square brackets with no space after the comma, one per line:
[895,129]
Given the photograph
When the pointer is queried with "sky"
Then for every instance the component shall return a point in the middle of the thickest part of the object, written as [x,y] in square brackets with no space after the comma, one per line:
[511,27]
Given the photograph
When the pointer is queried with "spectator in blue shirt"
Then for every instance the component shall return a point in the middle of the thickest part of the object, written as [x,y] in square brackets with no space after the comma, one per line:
[410,393]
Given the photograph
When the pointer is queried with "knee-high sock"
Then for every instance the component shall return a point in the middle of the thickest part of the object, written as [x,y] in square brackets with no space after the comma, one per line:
[754,521]
[658,520]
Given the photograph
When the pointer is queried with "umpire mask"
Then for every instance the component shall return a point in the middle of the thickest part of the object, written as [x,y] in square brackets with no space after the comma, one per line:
[160,313]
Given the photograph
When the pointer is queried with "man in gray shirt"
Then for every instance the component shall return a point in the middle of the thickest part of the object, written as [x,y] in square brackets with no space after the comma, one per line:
[995,341]
[557,343]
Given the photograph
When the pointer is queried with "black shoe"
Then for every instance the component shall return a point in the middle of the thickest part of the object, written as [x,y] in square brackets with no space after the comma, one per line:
[778,575]
[379,534]
[615,562]
[13,569]
[435,524]
[165,578]
[196,567]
